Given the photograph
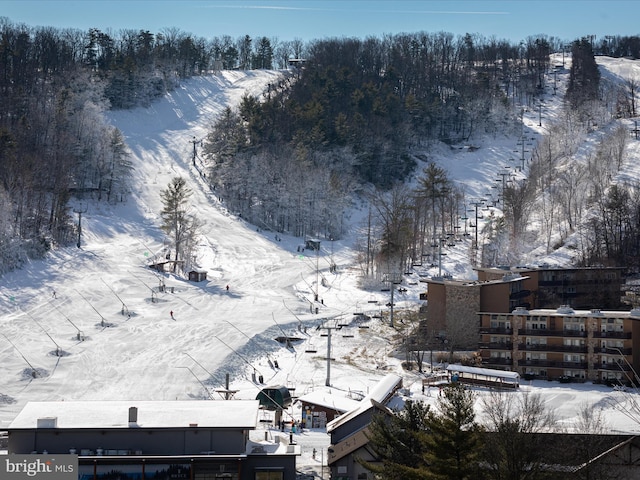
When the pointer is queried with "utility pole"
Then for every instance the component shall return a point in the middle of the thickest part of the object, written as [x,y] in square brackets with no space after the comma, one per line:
[80,211]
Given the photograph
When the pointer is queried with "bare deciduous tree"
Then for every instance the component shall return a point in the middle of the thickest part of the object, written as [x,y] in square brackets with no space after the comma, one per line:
[515,451]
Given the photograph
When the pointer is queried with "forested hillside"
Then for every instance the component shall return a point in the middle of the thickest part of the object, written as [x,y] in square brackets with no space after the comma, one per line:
[55,86]
[360,114]
[355,115]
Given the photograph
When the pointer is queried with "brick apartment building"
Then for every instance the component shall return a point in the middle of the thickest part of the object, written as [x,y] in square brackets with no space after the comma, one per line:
[549,287]
[453,305]
[584,345]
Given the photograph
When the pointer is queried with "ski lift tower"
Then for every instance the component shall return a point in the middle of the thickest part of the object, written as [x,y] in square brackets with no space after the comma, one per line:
[80,210]
[328,328]
[314,244]
[392,279]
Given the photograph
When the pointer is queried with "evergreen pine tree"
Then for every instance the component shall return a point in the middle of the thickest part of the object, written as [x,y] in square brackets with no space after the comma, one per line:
[584,76]
[398,441]
[176,222]
[453,443]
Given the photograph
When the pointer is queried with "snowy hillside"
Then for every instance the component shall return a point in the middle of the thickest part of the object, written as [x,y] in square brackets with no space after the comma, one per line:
[95,323]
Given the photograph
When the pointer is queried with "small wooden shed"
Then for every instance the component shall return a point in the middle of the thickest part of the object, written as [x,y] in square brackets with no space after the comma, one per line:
[197,275]
[312,244]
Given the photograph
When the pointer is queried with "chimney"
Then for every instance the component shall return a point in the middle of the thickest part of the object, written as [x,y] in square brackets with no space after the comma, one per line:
[133,414]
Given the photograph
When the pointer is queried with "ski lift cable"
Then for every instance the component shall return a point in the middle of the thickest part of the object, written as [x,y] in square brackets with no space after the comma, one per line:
[240,356]
[199,381]
[291,311]
[250,339]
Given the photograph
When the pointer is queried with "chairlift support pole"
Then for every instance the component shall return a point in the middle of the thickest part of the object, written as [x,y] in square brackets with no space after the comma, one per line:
[328,329]
[392,279]
[80,211]
[476,205]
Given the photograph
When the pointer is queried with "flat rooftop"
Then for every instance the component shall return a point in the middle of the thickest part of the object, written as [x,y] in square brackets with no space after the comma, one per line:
[150,414]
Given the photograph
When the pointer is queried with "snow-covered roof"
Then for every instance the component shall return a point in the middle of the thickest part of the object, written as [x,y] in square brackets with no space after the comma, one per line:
[199,270]
[385,388]
[329,399]
[150,414]
[487,372]
[381,394]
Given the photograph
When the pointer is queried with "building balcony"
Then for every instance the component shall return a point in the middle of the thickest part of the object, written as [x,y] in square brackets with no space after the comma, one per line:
[527,332]
[495,331]
[496,346]
[613,351]
[553,364]
[622,335]
[615,367]
[538,363]
[497,361]
[554,348]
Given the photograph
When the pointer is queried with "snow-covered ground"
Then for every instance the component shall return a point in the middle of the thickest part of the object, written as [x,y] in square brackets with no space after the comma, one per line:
[108,316]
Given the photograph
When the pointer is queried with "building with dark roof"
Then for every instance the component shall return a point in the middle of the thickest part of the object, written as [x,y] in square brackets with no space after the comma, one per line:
[161,440]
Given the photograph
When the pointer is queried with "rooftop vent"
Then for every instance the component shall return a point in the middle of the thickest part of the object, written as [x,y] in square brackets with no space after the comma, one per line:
[565,310]
[47,422]
[133,414]
[635,312]
[520,311]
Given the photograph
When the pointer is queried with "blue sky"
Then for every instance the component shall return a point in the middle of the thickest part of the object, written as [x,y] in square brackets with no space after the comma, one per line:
[513,20]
